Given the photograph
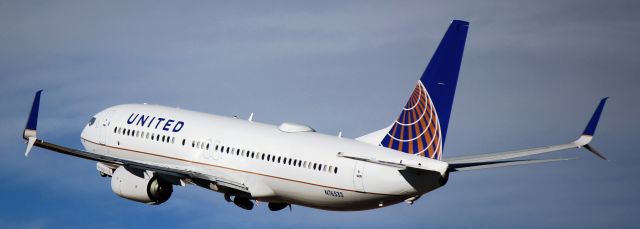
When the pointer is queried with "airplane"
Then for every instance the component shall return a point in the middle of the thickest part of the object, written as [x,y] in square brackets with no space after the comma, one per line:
[148,149]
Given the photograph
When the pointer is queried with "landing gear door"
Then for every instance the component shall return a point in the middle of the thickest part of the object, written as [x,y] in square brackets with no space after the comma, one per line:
[358,176]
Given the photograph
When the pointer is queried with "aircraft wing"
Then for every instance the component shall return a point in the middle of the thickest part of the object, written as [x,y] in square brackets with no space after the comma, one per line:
[177,171]
[502,159]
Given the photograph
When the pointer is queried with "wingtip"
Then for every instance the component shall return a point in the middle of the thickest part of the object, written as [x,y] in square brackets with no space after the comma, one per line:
[594,151]
[32,121]
[460,21]
[595,118]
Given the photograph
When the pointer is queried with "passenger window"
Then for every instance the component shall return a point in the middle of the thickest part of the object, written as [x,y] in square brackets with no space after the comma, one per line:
[207,146]
[263,157]
[183,141]
[278,159]
[253,154]
[335,170]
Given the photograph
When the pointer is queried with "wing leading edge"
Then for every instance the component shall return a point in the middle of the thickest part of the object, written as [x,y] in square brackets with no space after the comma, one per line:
[502,159]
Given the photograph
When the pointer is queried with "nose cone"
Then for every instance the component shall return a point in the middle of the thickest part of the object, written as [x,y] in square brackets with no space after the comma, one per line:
[90,129]
[83,134]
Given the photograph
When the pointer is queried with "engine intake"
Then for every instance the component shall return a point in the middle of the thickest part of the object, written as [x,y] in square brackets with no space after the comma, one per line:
[138,186]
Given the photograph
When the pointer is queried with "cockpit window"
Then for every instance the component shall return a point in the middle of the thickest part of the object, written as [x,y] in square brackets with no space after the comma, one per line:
[92,121]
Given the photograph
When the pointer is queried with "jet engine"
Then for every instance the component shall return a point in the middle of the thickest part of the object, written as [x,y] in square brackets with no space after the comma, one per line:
[138,185]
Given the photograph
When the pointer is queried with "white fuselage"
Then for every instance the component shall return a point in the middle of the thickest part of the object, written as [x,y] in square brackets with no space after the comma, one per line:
[299,167]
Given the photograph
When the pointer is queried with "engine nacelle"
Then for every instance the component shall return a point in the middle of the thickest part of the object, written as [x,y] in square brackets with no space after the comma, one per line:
[138,186]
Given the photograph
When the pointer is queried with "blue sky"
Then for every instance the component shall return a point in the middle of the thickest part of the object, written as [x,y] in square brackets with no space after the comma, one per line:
[532,73]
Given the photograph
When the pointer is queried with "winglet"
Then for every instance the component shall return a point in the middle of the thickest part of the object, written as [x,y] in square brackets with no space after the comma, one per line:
[32,122]
[29,133]
[594,151]
[588,132]
[593,123]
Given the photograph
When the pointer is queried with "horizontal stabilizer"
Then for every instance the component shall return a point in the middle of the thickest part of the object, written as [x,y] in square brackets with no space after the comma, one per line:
[406,165]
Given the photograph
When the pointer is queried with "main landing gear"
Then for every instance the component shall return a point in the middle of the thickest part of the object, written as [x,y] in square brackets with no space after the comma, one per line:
[246,204]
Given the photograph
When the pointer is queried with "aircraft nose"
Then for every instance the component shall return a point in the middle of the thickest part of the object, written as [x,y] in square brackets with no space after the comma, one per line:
[86,130]
[83,134]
